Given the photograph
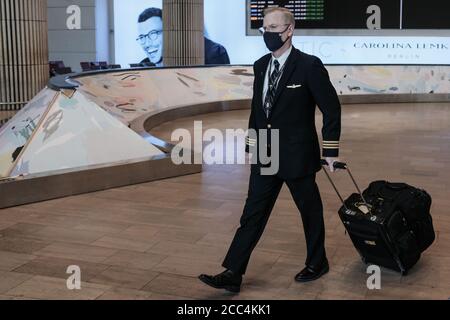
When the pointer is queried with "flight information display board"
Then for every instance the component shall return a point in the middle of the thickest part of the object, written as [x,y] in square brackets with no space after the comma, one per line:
[358,14]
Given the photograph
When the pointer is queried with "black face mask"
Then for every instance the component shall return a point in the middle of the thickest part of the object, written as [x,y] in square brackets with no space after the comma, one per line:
[273,40]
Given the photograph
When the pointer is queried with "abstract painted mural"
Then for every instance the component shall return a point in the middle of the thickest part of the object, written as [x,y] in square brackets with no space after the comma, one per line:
[350,80]
[130,94]
[75,134]
[55,132]
[16,133]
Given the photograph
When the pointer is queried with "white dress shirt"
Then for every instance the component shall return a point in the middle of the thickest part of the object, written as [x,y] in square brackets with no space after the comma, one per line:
[282,60]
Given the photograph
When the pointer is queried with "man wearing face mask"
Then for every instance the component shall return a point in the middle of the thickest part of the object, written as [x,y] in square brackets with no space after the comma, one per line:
[288,86]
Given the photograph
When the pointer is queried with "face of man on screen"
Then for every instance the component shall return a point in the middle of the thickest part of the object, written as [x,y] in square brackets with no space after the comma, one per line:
[151,38]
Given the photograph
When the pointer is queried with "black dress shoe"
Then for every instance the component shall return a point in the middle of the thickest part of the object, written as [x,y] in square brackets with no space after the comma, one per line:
[227,280]
[310,274]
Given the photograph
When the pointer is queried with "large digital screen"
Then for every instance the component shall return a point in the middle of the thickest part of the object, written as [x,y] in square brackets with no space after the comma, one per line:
[425,14]
[138,31]
[358,14]
[329,14]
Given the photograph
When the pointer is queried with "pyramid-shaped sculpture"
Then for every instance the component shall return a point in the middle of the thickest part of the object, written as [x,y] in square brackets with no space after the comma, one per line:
[57,132]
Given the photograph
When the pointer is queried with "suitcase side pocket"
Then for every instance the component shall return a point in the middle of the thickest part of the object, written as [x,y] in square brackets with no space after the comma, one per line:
[371,245]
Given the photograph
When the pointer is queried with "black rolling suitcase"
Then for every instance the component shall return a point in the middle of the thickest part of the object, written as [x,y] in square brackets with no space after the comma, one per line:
[389,223]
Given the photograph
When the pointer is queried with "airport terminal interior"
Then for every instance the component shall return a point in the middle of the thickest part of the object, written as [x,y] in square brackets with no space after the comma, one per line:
[98,96]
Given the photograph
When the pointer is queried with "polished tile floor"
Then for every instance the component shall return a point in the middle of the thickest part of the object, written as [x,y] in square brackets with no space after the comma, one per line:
[150,241]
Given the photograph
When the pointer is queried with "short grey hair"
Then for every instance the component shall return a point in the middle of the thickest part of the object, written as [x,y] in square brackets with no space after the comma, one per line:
[288,15]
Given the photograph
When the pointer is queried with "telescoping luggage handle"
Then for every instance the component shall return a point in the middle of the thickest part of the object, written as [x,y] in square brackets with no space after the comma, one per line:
[343,166]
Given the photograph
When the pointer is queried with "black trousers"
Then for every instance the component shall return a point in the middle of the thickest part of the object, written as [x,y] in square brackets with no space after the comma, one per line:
[262,195]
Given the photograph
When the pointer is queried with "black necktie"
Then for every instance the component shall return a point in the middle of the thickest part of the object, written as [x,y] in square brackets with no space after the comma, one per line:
[270,96]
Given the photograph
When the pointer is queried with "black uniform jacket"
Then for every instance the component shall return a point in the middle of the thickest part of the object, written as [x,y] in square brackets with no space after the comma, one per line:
[304,84]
